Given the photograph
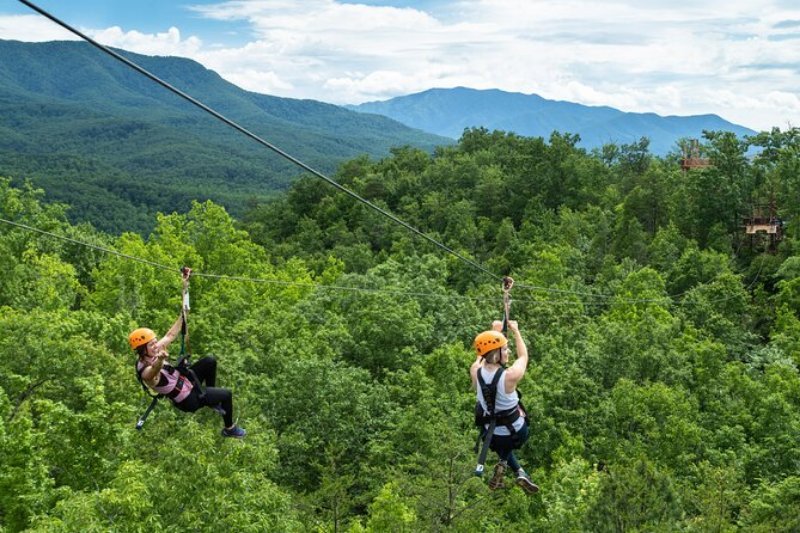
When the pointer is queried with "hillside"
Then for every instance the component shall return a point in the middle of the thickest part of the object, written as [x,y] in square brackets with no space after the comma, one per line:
[118,147]
[448,112]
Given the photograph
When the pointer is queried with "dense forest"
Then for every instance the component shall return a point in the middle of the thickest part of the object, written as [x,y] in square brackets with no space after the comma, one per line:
[663,386]
[118,148]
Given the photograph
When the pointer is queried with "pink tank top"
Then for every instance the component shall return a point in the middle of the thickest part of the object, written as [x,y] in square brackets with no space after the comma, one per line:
[167,380]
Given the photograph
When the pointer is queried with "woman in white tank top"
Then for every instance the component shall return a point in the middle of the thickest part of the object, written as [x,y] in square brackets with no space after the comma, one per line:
[511,430]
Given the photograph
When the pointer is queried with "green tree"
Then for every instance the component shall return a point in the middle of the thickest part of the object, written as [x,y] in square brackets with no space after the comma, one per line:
[635,496]
[389,512]
[774,507]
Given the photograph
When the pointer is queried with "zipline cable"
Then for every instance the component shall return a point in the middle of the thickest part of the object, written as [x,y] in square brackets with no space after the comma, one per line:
[86,244]
[319,286]
[258,139]
[243,278]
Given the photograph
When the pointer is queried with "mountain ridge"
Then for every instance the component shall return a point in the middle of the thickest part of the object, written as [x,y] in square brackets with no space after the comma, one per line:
[72,118]
[448,112]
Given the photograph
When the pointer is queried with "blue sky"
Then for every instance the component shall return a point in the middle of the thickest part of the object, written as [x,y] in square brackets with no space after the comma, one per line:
[739,59]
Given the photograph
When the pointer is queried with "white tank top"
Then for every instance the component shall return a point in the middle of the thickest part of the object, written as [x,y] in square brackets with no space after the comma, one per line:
[502,401]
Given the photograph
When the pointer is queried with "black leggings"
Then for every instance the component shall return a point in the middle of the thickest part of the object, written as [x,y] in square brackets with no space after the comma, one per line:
[505,445]
[206,371]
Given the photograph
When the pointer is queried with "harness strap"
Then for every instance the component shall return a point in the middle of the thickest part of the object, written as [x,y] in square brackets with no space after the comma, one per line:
[504,418]
[176,390]
[188,374]
[489,396]
[141,381]
[185,375]
[143,418]
[490,391]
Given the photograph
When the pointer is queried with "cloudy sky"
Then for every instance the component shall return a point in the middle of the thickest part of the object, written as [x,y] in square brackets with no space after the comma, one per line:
[739,59]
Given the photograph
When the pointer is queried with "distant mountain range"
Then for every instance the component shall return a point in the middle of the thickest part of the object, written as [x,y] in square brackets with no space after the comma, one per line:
[447,112]
[118,147]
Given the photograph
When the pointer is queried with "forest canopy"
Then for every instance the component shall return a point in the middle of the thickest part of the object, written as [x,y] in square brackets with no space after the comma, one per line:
[663,388]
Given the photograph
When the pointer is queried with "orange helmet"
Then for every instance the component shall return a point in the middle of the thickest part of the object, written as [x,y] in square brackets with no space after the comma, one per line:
[140,337]
[489,340]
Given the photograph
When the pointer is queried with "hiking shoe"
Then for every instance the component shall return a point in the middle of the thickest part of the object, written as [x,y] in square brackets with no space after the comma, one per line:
[524,481]
[235,432]
[497,479]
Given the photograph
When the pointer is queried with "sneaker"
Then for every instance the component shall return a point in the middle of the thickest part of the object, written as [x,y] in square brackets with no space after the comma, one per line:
[235,432]
[497,479]
[524,481]
[218,408]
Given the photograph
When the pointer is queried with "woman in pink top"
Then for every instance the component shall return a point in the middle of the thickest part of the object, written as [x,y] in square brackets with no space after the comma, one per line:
[156,371]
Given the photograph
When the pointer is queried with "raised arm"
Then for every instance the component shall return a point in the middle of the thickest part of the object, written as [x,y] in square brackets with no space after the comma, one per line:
[171,334]
[517,370]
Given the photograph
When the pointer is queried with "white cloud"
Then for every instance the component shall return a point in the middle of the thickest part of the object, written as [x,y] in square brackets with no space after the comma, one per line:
[735,58]
[670,58]
[260,81]
[32,28]
[168,43]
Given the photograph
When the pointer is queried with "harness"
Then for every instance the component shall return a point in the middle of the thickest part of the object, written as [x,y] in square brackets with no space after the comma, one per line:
[506,417]
[184,379]
[493,418]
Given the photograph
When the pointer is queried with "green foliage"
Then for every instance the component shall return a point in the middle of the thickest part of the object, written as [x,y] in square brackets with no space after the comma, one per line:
[663,387]
[775,509]
[388,512]
[573,490]
[635,496]
[24,485]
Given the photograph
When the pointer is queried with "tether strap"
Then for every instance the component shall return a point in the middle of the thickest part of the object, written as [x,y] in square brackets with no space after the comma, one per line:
[487,439]
[184,360]
[507,284]
[186,272]
[153,402]
[143,418]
